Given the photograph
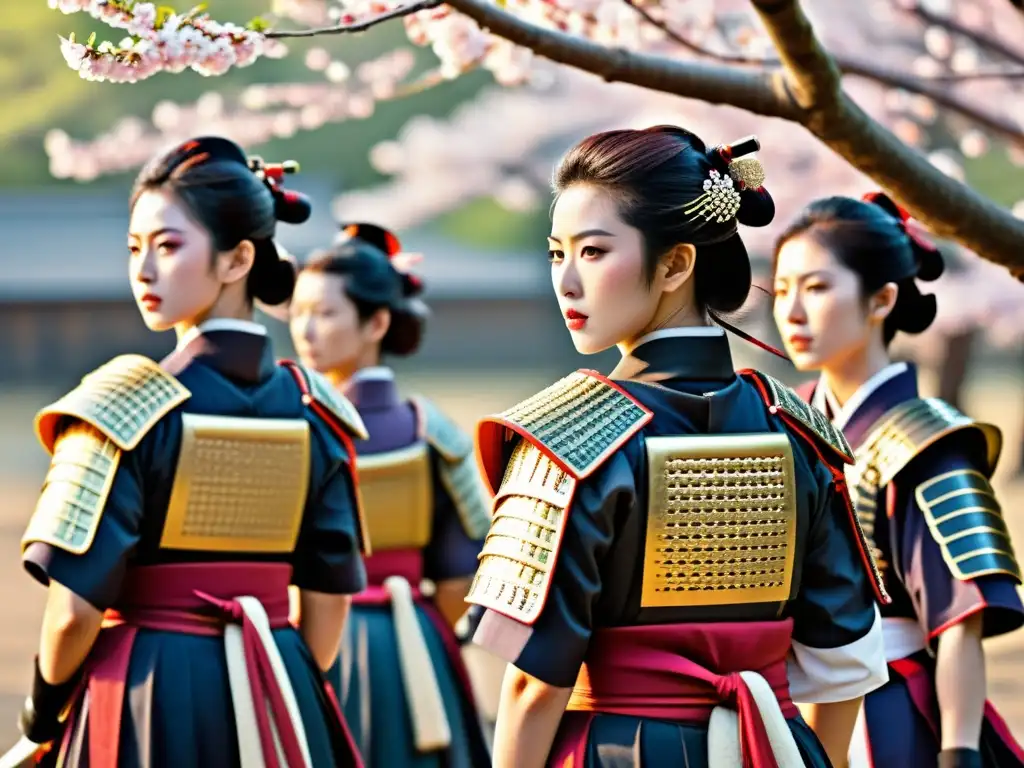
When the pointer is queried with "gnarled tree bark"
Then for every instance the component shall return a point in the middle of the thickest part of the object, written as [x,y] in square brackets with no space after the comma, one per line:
[805,89]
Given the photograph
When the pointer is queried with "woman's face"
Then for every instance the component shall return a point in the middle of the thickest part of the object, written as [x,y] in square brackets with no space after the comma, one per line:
[171,265]
[597,270]
[325,326]
[819,310]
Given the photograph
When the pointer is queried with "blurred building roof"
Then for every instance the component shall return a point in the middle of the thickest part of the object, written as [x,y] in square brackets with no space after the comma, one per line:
[70,245]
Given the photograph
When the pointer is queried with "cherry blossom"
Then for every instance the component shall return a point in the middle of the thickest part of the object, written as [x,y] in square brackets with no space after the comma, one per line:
[949,82]
[171,44]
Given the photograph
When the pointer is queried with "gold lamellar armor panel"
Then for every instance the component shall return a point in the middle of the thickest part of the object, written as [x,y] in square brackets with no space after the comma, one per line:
[784,399]
[75,492]
[123,399]
[580,419]
[520,550]
[906,430]
[240,485]
[965,518]
[721,520]
[398,497]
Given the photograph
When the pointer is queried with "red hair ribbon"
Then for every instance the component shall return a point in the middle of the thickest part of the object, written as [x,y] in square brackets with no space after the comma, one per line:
[908,223]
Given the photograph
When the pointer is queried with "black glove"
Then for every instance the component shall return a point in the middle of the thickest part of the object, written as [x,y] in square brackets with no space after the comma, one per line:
[40,717]
[959,758]
[466,626]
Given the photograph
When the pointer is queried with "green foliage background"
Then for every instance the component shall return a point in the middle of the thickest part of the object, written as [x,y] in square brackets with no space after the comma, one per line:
[39,92]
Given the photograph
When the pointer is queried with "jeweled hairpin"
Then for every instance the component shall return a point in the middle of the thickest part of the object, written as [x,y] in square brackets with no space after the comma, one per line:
[720,200]
[747,172]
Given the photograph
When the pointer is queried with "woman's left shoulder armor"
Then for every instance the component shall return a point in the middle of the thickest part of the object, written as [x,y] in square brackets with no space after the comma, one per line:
[578,423]
[805,418]
[329,404]
[458,469]
[86,431]
[568,431]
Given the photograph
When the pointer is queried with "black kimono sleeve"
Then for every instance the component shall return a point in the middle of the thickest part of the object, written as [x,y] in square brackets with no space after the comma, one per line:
[542,621]
[328,555]
[837,649]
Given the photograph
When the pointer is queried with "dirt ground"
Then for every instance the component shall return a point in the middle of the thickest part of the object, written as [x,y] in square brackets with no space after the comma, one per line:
[992,395]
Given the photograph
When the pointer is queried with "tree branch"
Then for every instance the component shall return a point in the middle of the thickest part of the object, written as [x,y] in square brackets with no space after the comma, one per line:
[356,26]
[981,39]
[994,122]
[946,206]
[807,91]
[749,90]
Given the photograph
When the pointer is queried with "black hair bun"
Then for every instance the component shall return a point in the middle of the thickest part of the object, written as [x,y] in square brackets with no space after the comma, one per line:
[757,208]
[291,207]
[927,256]
[272,279]
[914,311]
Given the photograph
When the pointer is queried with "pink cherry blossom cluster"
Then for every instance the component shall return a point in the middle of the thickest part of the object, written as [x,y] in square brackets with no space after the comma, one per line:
[171,44]
[261,113]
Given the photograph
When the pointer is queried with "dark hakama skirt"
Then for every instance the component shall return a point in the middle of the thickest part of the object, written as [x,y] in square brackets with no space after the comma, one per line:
[372,692]
[370,682]
[902,719]
[173,706]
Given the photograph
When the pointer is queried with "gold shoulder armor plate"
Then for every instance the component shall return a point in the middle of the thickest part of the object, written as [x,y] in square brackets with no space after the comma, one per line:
[75,491]
[521,549]
[780,399]
[319,390]
[123,399]
[578,422]
[912,426]
[458,469]
[965,518]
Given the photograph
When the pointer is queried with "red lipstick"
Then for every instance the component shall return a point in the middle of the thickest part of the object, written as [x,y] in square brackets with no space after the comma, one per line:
[800,343]
[575,320]
[150,301]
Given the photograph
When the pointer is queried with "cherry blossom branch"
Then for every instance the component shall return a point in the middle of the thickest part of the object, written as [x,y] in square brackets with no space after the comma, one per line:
[349,25]
[996,123]
[947,207]
[979,38]
[806,90]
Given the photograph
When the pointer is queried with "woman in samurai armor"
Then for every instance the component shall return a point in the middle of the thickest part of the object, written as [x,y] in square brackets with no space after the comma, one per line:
[401,678]
[845,284]
[184,497]
[673,558]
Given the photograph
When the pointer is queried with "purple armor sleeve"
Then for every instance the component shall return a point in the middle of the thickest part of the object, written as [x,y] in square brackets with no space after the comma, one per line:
[934,559]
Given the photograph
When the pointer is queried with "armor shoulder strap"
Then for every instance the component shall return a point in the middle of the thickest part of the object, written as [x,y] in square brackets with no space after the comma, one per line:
[76,489]
[907,429]
[326,401]
[808,420]
[965,519]
[578,422]
[123,399]
[458,469]
[520,554]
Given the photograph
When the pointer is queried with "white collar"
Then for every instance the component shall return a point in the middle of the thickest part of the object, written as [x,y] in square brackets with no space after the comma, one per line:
[825,401]
[221,324]
[374,373]
[690,330]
